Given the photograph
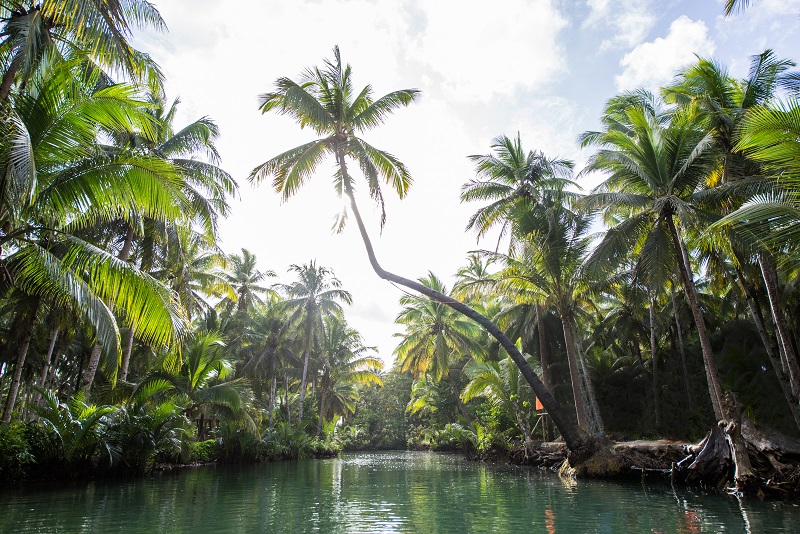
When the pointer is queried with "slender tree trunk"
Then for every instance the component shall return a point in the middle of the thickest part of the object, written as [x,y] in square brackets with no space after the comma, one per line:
[681,349]
[51,345]
[126,356]
[637,352]
[321,412]
[91,369]
[461,407]
[574,373]
[22,353]
[712,374]
[288,410]
[784,342]
[272,388]
[654,361]
[544,358]
[758,319]
[574,438]
[594,409]
[303,386]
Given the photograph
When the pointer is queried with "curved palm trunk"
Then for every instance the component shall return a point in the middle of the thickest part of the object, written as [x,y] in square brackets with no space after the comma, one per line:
[712,373]
[574,438]
[788,357]
[22,353]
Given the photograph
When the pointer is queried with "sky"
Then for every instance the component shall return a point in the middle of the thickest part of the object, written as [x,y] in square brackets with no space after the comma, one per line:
[540,68]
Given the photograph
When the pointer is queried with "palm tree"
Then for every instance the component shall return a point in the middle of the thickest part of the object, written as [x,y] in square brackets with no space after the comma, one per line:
[345,363]
[435,337]
[33,31]
[508,177]
[245,281]
[656,170]
[553,242]
[268,348]
[315,295]
[203,381]
[59,183]
[502,383]
[726,107]
[326,101]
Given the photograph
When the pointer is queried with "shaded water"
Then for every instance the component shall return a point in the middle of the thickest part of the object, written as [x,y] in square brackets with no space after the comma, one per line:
[383,492]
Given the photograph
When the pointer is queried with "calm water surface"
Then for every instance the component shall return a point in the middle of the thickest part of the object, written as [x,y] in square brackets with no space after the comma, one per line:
[382,492]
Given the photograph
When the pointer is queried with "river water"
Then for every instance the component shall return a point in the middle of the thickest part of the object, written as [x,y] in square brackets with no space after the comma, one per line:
[382,492]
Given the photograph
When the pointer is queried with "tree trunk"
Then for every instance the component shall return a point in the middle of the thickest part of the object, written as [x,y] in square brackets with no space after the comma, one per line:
[126,356]
[712,374]
[544,358]
[22,353]
[272,388]
[303,385]
[321,412]
[789,359]
[594,409]
[654,361]
[574,438]
[461,407]
[47,359]
[681,349]
[574,373]
[758,319]
[91,369]
[288,410]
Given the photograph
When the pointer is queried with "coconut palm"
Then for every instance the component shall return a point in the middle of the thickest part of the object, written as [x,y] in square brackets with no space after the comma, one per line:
[315,295]
[59,184]
[508,177]
[326,101]
[656,172]
[202,379]
[345,363]
[33,31]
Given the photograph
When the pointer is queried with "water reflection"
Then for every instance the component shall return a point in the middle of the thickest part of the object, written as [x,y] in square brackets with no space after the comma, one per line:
[388,492]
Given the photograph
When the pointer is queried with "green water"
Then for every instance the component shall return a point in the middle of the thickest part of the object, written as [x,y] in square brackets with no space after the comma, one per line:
[382,492]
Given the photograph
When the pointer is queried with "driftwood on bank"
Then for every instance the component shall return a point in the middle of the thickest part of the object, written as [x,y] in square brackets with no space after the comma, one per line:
[773,460]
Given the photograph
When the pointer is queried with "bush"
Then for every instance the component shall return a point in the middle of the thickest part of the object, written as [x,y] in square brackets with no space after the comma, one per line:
[14,453]
[204,451]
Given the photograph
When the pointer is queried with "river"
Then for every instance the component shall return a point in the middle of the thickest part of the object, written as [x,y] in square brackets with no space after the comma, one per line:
[382,492]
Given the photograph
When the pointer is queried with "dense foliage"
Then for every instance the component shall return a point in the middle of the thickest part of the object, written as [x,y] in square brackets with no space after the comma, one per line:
[128,338]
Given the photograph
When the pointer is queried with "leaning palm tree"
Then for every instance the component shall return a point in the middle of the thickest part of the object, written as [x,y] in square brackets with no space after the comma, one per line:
[326,101]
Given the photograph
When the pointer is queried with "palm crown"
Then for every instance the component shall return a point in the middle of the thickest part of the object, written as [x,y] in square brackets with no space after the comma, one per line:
[325,100]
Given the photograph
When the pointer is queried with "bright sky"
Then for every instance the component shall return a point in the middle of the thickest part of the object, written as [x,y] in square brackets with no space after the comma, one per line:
[543,68]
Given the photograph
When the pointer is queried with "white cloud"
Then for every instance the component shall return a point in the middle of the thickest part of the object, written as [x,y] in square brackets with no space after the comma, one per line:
[478,50]
[654,63]
[629,21]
